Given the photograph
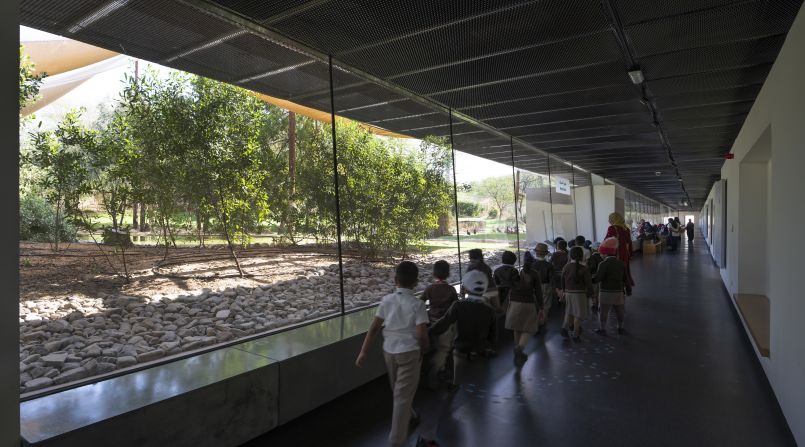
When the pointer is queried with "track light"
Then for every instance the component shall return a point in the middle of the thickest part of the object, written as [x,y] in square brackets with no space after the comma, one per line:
[637,76]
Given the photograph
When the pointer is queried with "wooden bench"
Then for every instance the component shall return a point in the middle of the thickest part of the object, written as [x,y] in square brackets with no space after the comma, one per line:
[755,313]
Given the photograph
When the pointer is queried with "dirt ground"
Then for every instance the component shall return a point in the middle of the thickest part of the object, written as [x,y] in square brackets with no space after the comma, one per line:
[84,269]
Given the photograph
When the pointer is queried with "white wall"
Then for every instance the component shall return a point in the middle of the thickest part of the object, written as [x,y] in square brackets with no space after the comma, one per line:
[604,206]
[780,108]
[584,211]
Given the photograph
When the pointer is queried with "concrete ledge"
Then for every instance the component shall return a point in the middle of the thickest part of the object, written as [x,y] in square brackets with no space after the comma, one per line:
[221,398]
[754,310]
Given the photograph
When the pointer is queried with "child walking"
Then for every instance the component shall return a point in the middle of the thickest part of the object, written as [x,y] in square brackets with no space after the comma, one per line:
[613,280]
[547,278]
[577,286]
[525,309]
[505,275]
[595,260]
[472,317]
[440,295]
[403,319]
[491,297]
[559,259]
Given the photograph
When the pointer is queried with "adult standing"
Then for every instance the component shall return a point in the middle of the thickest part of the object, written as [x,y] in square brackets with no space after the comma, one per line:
[675,229]
[619,230]
[689,229]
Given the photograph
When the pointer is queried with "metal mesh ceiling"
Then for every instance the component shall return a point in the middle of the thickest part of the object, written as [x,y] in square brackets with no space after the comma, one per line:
[552,74]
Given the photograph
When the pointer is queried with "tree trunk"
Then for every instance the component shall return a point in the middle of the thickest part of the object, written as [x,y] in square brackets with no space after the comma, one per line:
[200,229]
[58,223]
[292,150]
[142,217]
[225,221]
[134,217]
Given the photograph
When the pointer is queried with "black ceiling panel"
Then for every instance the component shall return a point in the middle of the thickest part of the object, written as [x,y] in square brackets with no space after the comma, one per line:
[552,74]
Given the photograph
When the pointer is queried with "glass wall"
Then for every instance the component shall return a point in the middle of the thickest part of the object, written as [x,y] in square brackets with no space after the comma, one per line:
[487,217]
[301,217]
[563,207]
[583,201]
[534,196]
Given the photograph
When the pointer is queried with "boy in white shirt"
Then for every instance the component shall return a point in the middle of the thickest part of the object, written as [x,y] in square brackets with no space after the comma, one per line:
[404,321]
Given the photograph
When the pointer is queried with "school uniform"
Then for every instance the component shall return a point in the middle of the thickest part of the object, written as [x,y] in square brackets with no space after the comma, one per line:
[548,284]
[525,303]
[612,278]
[441,296]
[401,312]
[578,285]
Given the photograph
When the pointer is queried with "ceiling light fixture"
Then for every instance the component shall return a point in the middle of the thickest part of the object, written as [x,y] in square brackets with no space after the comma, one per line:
[637,76]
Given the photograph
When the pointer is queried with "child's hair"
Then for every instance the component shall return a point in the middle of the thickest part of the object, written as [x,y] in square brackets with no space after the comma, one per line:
[576,254]
[407,274]
[508,257]
[476,254]
[441,269]
[556,241]
[588,243]
[562,245]
[580,240]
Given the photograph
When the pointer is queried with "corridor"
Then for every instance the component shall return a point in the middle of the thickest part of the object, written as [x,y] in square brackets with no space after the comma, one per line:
[685,375]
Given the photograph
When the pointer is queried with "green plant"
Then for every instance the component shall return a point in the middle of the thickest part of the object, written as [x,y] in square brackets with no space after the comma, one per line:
[493,214]
[468,209]
[38,222]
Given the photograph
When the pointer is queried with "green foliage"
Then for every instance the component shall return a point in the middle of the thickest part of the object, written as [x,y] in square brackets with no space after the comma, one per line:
[391,197]
[197,150]
[499,190]
[58,154]
[29,82]
[468,209]
[493,213]
[38,222]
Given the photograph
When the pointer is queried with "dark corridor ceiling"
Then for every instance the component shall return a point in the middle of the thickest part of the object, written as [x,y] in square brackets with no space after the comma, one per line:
[551,74]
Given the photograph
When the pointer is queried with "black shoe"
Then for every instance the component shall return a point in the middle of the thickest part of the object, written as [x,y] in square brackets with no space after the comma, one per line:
[564,332]
[621,331]
[489,352]
[453,388]
[601,332]
[520,357]
[577,339]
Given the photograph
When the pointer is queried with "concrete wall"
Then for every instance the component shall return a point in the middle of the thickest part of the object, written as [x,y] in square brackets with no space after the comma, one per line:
[780,111]
[9,262]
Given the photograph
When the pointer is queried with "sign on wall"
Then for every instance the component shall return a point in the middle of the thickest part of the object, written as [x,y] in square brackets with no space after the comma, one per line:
[562,185]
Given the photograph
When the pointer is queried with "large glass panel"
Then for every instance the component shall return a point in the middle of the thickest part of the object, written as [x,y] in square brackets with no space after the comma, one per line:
[485,193]
[203,213]
[563,206]
[396,190]
[534,197]
[583,200]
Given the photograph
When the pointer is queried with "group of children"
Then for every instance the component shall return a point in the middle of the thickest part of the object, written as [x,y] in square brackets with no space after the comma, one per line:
[586,277]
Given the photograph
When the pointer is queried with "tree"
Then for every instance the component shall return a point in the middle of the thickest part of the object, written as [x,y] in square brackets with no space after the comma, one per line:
[29,82]
[468,209]
[58,154]
[391,196]
[499,190]
[226,156]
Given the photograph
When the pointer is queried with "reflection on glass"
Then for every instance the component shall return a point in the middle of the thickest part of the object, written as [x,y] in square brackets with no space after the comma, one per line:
[562,203]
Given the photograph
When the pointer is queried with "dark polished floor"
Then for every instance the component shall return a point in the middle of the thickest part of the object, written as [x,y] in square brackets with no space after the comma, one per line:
[684,376]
